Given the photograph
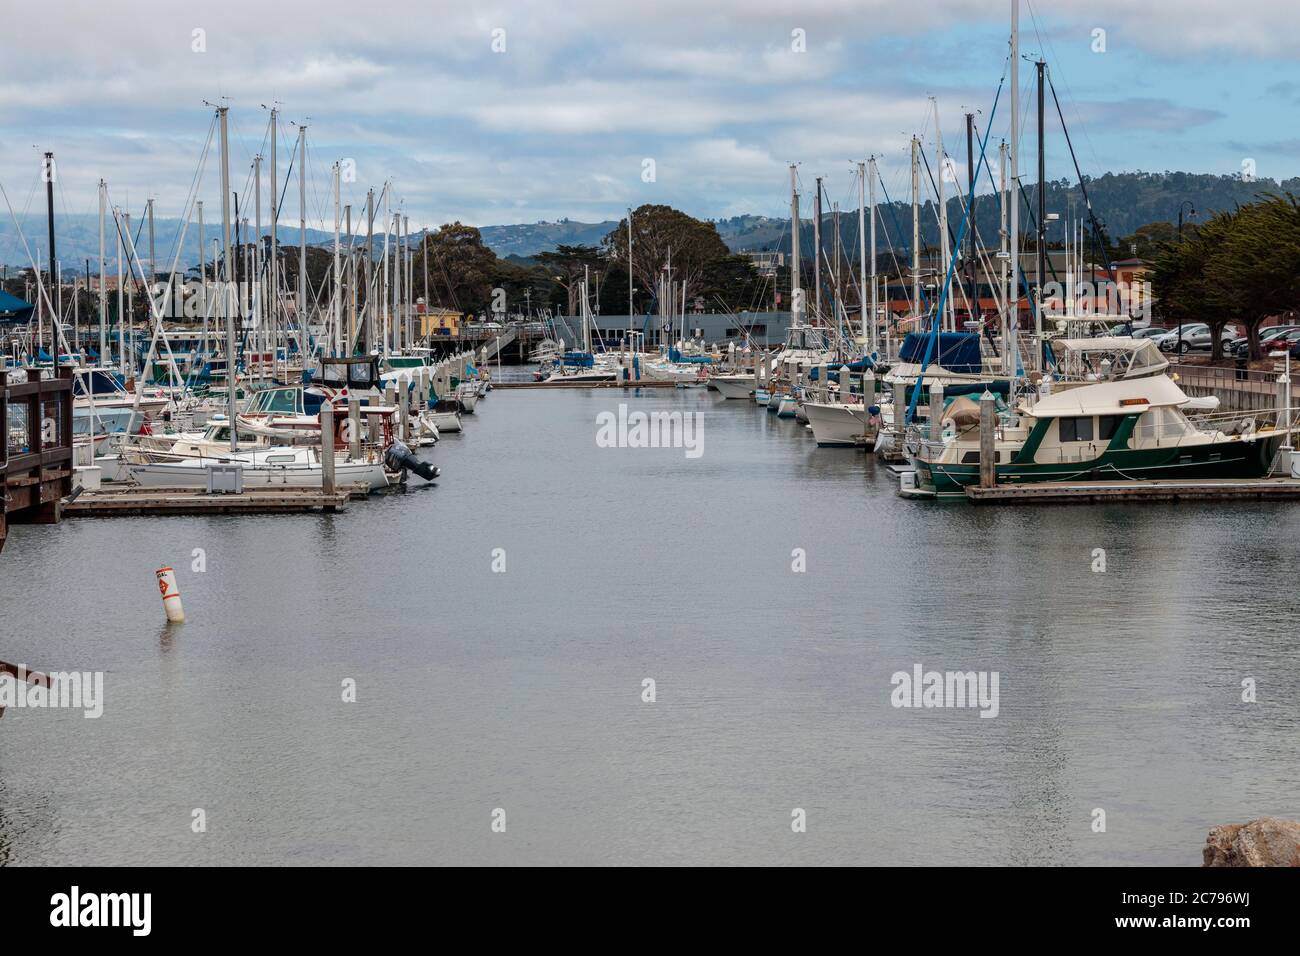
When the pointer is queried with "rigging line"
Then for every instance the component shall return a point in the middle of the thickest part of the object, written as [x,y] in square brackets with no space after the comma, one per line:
[1099,231]
[925,299]
[932,339]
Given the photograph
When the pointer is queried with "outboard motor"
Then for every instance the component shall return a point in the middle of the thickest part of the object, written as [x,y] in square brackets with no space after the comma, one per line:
[399,456]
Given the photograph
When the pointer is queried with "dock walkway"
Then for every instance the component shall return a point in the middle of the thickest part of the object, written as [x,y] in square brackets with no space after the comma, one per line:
[1092,492]
[184,501]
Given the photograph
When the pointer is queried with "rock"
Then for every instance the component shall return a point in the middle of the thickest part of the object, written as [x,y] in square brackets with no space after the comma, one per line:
[1267,841]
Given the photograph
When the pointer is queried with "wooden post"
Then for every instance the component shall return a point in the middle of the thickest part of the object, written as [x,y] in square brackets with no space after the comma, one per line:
[988,455]
[900,412]
[354,428]
[327,448]
[936,409]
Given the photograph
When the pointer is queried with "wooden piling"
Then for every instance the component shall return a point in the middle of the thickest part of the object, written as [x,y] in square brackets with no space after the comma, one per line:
[988,454]
[327,448]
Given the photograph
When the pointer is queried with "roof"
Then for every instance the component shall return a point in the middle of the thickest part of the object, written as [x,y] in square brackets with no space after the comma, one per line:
[1104,398]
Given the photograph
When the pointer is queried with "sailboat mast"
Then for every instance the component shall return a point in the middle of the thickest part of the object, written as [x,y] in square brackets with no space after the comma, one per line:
[103,290]
[796,293]
[274,292]
[337,337]
[227,311]
[302,229]
[817,251]
[945,253]
[1013,204]
[916,227]
[874,284]
[862,251]
[1042,226]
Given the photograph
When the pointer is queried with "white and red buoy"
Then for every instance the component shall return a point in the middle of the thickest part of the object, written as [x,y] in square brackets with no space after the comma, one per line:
[171,596]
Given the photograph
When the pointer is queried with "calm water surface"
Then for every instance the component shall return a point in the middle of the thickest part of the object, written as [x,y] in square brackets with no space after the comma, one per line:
[522,690]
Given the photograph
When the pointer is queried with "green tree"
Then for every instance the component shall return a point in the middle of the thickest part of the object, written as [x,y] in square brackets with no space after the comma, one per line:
[664,237]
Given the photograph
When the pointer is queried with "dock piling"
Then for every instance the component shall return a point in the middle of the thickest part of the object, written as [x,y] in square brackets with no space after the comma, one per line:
[327,448]
[988,456]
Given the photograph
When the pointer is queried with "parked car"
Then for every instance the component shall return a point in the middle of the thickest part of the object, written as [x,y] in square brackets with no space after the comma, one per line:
[1150,332]
[1195,336]
[1239,345]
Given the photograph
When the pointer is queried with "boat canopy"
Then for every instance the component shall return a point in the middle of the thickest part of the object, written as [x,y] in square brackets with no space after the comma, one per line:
[1123,397]
[1128,357]
[578,360]
[958,351]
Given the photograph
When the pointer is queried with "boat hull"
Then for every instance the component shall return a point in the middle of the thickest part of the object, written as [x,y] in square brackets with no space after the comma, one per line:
[1232,458]
[733,387]
[840,426]
[183,475]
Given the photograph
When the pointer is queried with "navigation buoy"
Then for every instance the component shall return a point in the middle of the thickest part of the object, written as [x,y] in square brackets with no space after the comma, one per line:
[171,595]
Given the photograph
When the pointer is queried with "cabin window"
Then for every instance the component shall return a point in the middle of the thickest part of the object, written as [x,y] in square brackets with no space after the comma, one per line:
[970,458]
[1077,428]
[1107,425]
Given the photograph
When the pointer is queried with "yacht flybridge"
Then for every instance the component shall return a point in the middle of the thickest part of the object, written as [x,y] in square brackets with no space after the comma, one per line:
[1115,414]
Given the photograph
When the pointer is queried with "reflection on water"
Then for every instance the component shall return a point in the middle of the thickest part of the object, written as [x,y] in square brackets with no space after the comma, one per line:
[523,690]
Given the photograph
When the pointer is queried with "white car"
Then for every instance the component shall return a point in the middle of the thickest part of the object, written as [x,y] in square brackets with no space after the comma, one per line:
[1195,335]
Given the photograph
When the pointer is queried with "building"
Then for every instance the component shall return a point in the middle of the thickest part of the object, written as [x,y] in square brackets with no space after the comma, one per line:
[437,323]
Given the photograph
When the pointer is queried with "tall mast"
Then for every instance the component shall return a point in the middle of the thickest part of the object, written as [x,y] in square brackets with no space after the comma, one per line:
[968,256]
[945,253]
[337,337]
[868,338]
[796,293]
[1005,255]
[49,198]
[817,251]
[203,270]
[369,323]
[302,227]
[874,284]
[103,290]
[408,283]
[258,305]
[274,283]
[388,222]
[916,227]
[1042,226]
[630,281]
[153,267]
[1013,302]
[227,311]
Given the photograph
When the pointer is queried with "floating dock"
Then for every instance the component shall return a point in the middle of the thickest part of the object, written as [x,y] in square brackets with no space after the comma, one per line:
[641,384]
[184,501]
[1093,492]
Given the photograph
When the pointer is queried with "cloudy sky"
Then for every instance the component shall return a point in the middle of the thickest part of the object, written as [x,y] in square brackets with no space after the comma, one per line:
[560,118]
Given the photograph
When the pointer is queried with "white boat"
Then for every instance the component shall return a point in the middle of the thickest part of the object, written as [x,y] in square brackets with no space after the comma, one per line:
[734,386]
[839,425]
[282,467]
[467,393]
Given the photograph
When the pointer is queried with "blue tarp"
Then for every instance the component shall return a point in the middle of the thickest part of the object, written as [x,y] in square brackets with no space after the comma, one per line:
[957,352]
[578,359]
[14,309]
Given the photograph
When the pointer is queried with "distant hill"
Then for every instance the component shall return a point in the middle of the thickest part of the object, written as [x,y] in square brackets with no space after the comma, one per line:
[528,239]
[1122,201]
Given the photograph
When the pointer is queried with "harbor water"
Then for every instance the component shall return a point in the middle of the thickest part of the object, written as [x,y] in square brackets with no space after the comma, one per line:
[500,628]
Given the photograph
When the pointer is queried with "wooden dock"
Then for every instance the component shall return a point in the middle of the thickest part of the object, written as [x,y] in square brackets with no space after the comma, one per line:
[641,384]
[1094,492]
[186,501]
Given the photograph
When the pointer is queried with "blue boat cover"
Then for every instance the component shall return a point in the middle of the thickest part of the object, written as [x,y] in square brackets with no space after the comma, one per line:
[860,365]
[957,351]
